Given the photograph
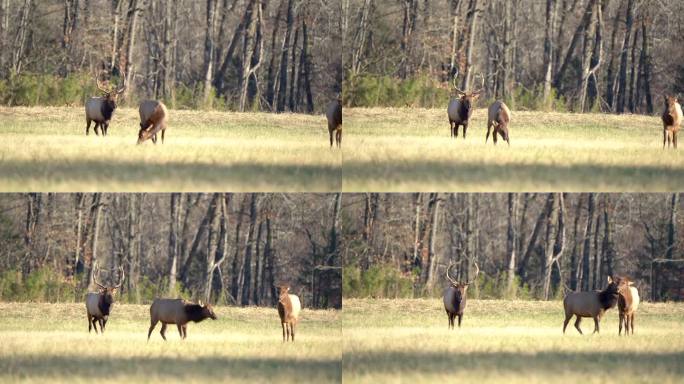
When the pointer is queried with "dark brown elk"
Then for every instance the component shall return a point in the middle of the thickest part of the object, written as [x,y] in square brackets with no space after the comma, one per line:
[334,116]
[628,303]
[498,116]
[461,108]
[592,304]
[179,312]
[289,307]
[672,119]
[153,115]
[100,109]
[455,297]
[99,304]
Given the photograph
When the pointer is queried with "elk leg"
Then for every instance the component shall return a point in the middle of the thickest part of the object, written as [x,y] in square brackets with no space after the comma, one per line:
[596,325]
[489,128]
[185,331]
[567,320]
[88,127]
[103,324]
[90,324]
[283,325]
[163,330]
[460,317]
[674,139]
[163,130]
[456,126]
[631,323]
[504,134]
[465,128]
[621,319]
[577,325]
[153,324]
[180,330]
[330,133]
[494,136]
[94,321]
[104,128]
[338,138]
[293,325]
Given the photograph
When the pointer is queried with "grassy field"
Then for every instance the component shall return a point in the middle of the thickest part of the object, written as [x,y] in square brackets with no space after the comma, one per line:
[410,149]
[50,343]
[46,149]
[407,341]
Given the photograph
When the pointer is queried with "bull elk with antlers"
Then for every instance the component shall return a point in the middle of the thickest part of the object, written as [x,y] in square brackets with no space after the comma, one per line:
[455,296]
[99,304]
[461,108]
[100,109]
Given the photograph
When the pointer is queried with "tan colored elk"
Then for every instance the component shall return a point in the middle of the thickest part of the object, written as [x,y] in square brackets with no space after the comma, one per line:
[628,303]
[153,115]
[179,312]
[672,119]
[99,304]
[289,307]
[454,296]
[592,304]
[461,108]
[498,116]
[100,109]
[334,116]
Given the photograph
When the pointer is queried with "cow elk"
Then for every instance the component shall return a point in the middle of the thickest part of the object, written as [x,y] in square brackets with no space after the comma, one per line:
[461,108]
[99,304]
[592,304]
[455,297]
[498,116]
[179,312]
[153,116]
[672,119]
[100,109]
[289,307]
[628,302]
[334,116]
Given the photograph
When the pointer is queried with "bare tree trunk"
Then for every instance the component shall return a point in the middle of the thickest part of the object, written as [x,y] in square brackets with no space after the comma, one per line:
[174,244]
[548,48]
[622,79]
[209,49]
[249,250]
[672,227]
[471,41]
[586,248]
[510,243]
[282,91]
[96,235]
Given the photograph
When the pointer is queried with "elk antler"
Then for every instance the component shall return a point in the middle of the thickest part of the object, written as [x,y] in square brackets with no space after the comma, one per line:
[100,87]
[123,86]
[452,280]
[454,83]
[121,280]
[96,271]
[477,272]
[481,86]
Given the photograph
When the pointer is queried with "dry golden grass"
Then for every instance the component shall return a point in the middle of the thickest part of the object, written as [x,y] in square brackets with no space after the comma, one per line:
[407,341]
[46,149]
[50,343]
[410,149]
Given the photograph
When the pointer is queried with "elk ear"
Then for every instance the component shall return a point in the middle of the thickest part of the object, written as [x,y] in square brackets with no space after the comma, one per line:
[610,279]
[200,303]
[114,290]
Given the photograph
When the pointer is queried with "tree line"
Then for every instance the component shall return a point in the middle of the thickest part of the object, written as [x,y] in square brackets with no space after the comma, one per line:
[273,55]
[587,55]
[527,245]
[220,247]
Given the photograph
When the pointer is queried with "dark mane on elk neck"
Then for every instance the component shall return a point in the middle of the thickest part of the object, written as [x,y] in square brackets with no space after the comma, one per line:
[195,312]
[105,302]
[108,107]
[609,296]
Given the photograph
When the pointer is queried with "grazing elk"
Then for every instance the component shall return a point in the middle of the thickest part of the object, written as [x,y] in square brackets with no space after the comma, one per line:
[592,304]
[461,108]
[99,304]
[288,309]
[672,119]
[455,297]
[153,115]
[179,312]
[334,115]
[498,116]
[628,302]
[101,109]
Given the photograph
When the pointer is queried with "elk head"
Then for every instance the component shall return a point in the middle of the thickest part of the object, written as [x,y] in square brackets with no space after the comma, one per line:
[467,98]
[111,95]
[461,286]
[207,310]
[107,293]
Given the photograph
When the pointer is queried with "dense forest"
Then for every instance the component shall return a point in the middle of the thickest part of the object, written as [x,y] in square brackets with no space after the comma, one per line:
[529,245]
[222,248]
[585,55]
[273,55]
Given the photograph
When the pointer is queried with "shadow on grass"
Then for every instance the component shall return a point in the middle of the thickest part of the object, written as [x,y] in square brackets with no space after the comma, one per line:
[174,369]
[637,363]
[174,176]
[430,175]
